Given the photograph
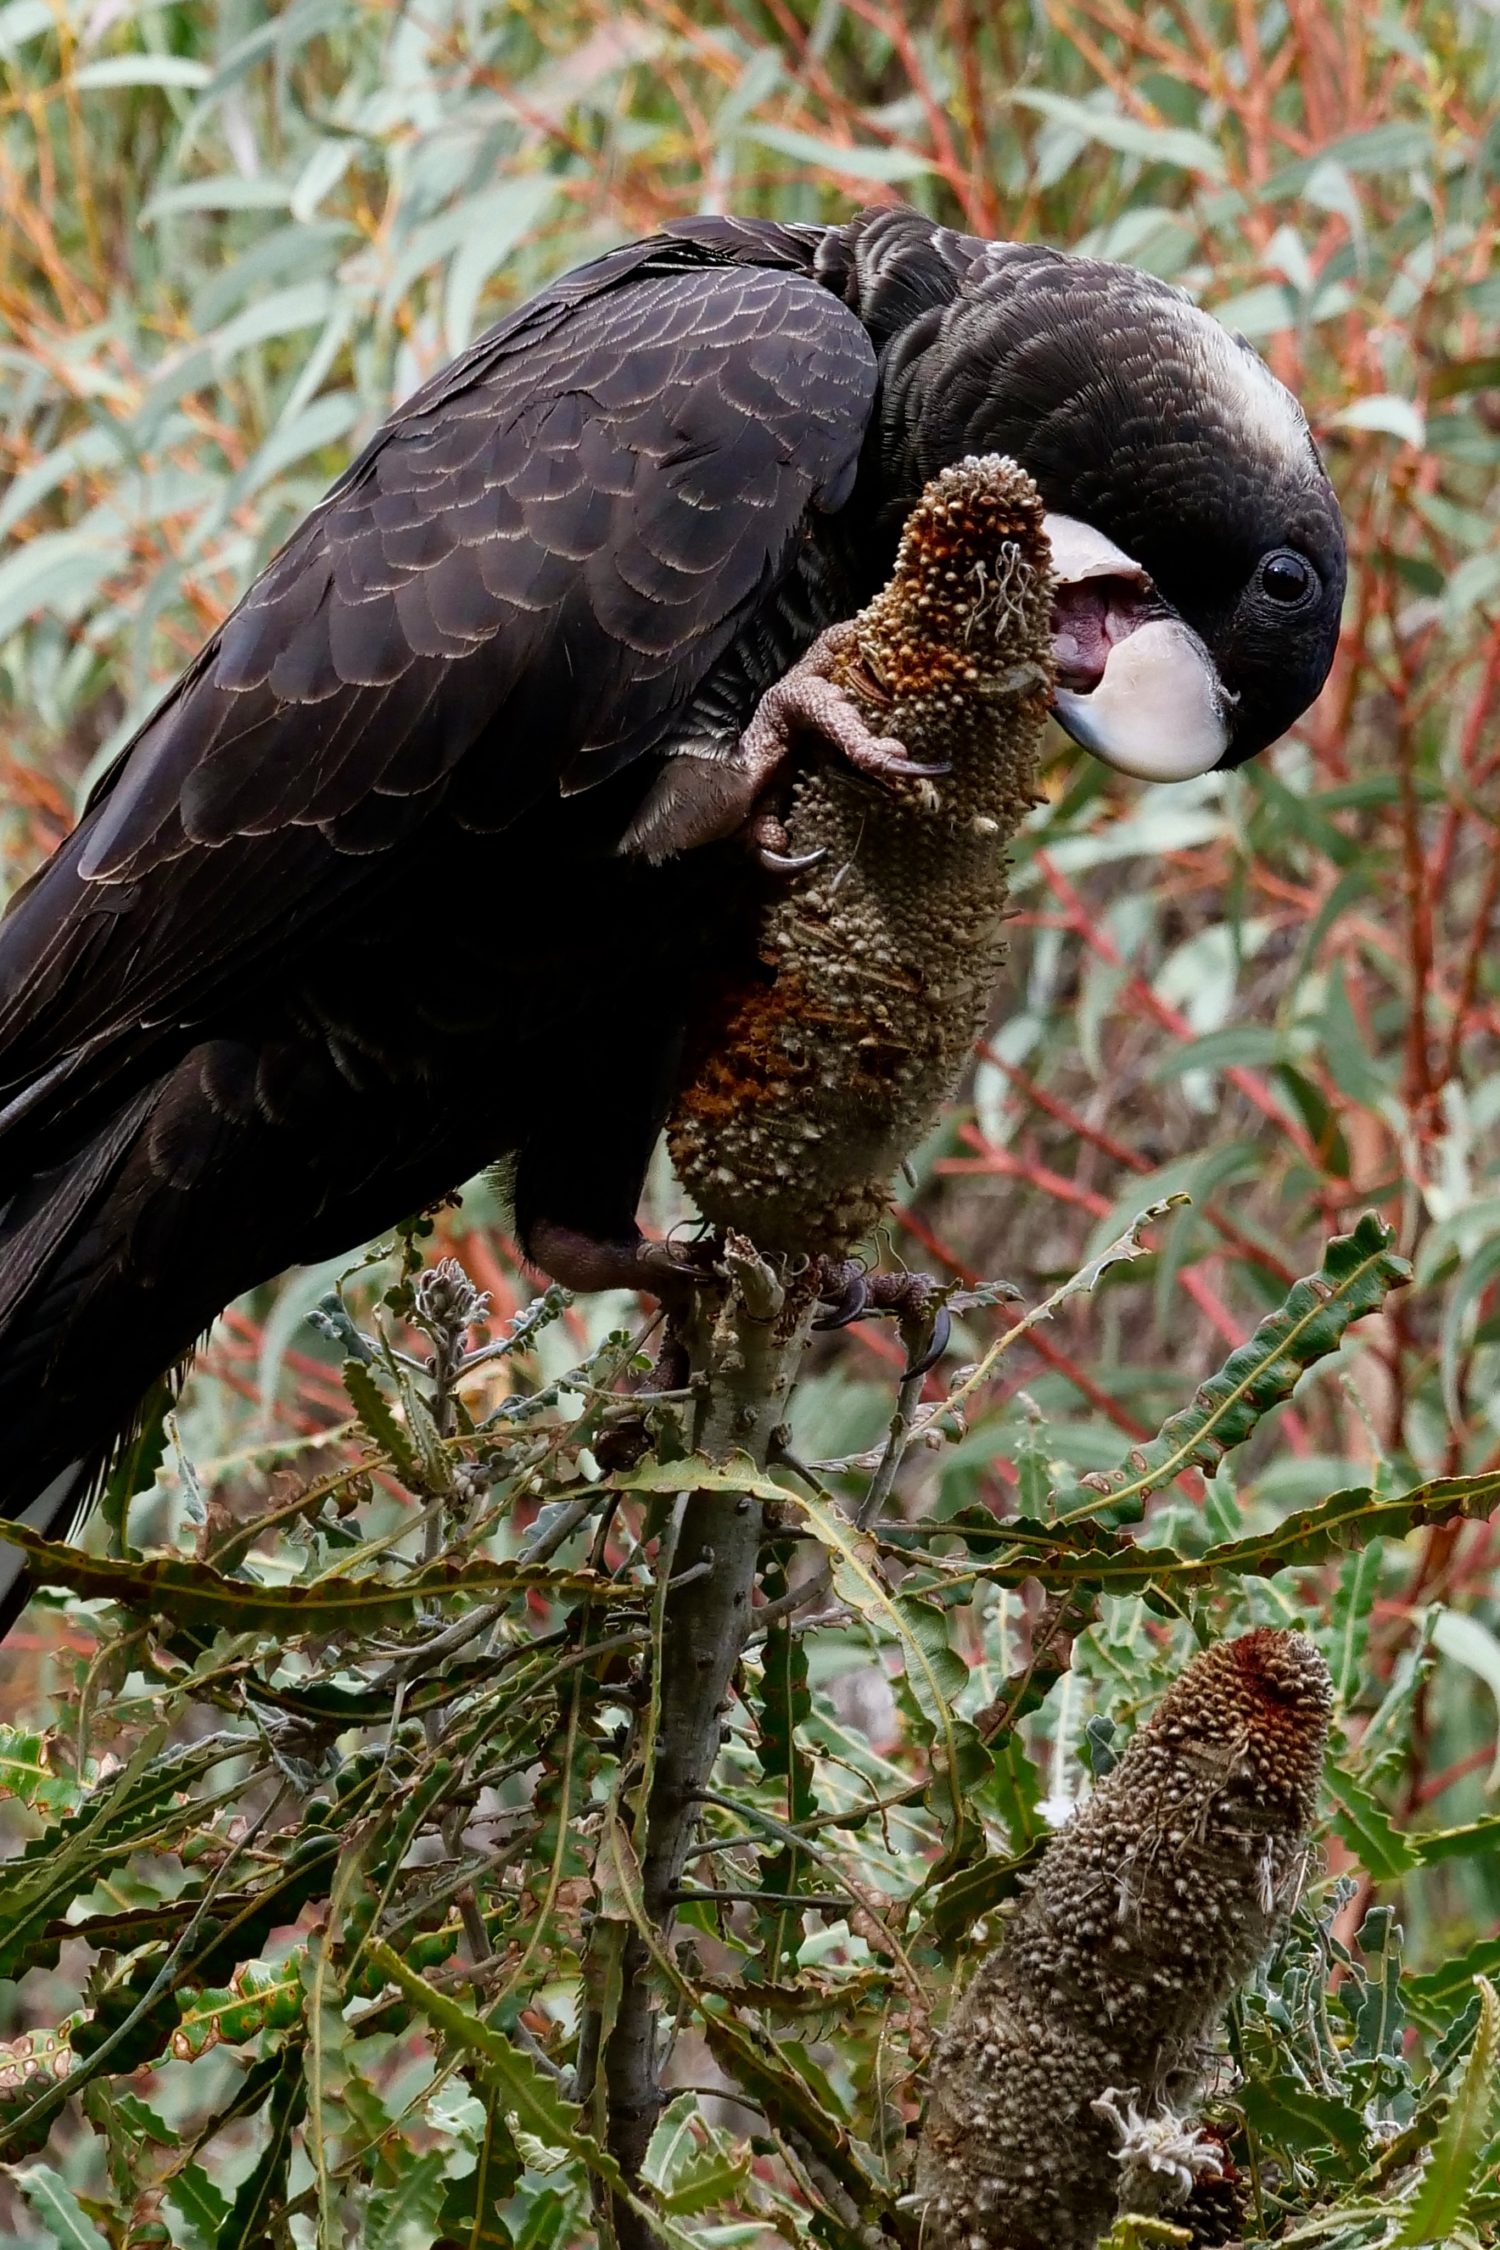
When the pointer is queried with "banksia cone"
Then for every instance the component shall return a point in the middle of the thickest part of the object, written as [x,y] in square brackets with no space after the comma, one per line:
[1064,2073]
[825,1063]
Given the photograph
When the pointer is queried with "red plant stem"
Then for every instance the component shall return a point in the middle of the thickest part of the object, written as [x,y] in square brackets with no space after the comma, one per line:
[1099,941]
[1135,1162]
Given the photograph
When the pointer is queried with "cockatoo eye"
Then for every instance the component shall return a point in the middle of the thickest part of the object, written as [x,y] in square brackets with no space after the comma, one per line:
[1288,578]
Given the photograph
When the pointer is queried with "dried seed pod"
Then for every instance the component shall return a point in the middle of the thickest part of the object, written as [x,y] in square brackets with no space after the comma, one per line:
[822,1066]
[1072,2053]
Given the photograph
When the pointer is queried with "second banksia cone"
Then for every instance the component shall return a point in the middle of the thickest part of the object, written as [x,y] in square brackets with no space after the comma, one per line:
[1061,2080]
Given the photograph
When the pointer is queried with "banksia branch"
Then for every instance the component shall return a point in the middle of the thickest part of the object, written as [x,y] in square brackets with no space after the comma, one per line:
[1059,2088]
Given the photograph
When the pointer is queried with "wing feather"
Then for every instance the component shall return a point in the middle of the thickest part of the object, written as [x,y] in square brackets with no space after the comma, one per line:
[535,563]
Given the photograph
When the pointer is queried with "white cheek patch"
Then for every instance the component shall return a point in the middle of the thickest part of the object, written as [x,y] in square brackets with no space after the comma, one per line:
[1160,712]
[1266,413]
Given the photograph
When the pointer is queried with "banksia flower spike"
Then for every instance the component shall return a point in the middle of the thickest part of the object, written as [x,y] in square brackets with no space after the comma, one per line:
[828,1059]
[1059,2092]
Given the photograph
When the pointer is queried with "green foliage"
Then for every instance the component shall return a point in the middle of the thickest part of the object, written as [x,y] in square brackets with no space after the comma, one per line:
[355,1690]
[386,1929]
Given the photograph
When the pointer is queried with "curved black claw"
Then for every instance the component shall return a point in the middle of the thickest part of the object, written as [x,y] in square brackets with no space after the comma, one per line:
[942,1329]
[850,1305]
[789,863]
[907,769]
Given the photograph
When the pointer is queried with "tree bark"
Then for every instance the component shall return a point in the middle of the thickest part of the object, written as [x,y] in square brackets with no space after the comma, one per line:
[745,1339]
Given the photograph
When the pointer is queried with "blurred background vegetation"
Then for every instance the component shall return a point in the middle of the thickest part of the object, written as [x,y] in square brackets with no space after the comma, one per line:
[232,236]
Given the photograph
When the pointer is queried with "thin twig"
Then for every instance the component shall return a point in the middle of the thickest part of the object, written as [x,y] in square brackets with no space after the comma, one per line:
[544,1543]
[908,1400]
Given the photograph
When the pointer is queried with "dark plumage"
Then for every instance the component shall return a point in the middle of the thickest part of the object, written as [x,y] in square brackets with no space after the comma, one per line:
[258,1005]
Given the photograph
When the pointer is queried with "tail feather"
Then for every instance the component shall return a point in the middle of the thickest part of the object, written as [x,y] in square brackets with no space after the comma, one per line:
[48,1208]
[106,1282]
[239,1161]
[53,1513]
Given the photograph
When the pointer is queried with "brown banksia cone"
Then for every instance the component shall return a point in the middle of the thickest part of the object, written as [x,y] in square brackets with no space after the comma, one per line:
[1063,2082]
[1214,2213]
[823,1065]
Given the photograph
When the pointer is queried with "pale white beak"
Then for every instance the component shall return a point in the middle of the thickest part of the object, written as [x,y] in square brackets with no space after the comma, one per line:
[1160,712]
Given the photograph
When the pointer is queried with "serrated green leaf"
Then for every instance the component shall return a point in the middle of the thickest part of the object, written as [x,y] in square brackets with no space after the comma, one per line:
[709,2177]
[105,1827]
[1477,1839]
[972,1892]
[406,2209]
[473,2207]
[1441,2202]
[1294,2118]
[1382,1851]
[1087,1555]
[26,1772]
[757,2063]
[533,2101]
[378,1421]
[325,2059]
[1357,1272]
[195,1595]
[696,1474]
[933,1673]
[200,2205]
[782,1706]
[1349,1622]
[263,2191]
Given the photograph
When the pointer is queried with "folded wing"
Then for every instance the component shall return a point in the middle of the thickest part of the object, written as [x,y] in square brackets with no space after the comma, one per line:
[513,589]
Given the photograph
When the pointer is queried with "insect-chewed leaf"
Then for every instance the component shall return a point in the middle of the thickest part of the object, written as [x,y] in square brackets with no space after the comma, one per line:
[260,1996]
[35,2054]
[195,1595]
[31,2067]
[1358,1270]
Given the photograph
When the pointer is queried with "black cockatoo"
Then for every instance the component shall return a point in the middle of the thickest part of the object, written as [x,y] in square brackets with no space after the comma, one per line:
[417,866]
